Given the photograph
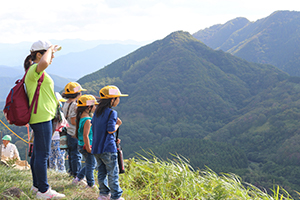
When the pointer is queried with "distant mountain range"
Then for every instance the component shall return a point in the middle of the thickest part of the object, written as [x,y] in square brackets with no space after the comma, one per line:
[76,59]
[14,54]
[9,75]
[272,40]
[76,65]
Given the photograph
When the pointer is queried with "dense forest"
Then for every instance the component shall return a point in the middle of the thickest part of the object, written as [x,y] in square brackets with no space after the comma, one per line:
[217,110]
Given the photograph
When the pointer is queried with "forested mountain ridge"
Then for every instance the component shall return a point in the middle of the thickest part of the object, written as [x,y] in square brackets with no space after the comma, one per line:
[178,67]
[273,40]
[177,75]
[181,89]
[217,35]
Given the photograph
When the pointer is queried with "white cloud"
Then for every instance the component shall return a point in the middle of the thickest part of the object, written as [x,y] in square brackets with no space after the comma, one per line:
[140,20]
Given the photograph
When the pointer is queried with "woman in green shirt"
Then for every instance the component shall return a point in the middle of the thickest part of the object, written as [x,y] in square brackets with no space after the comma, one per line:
[42,53]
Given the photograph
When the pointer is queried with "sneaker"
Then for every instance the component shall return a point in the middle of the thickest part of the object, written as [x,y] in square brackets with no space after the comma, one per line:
[77,181]
[50,194]
[104,197]
[94,187]
[34,190]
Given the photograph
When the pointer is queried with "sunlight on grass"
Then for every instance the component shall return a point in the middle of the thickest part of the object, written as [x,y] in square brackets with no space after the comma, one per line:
[175,179]
[152,179]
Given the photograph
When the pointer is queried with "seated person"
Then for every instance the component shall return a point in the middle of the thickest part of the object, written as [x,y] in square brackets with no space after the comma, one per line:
[9,150]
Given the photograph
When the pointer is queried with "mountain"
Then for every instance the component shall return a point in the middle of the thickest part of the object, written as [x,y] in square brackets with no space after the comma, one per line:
[272,40]
[11,74]
[180,89]
[64,68]
[216,35]
[14,54]
[76,59]
[60,82]
[11,71]
[78,64]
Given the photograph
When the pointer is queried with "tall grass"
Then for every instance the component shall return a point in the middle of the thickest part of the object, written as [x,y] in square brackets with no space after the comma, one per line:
[152,179]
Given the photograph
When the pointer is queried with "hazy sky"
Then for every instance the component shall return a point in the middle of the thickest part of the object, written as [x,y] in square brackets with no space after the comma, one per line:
[138,20]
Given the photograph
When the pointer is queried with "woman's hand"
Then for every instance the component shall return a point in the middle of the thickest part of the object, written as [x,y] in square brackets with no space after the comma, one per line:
[46,58]
[55,48]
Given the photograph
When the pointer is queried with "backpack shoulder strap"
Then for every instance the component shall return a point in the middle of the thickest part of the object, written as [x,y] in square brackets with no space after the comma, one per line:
[117,133]
[109,114]
[36,94]
[68,110]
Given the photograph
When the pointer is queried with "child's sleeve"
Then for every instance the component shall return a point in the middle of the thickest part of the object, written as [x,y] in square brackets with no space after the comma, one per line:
[112,121]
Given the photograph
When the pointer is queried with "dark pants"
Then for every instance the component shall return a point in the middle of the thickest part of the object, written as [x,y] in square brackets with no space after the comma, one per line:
[40,154]
[88,170]
[74,156]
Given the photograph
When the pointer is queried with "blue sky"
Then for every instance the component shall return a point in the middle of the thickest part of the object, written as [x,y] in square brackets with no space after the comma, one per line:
[138,20]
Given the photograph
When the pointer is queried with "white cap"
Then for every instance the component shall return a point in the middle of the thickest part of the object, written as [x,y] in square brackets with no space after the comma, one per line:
[42,45]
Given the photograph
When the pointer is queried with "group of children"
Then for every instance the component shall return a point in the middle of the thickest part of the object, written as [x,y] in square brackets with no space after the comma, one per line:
[91,135]
[91,132]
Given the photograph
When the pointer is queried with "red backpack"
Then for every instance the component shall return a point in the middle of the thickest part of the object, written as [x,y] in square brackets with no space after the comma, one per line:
[17,110]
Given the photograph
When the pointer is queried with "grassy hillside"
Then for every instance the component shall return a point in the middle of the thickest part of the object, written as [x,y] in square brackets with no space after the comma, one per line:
[151,179]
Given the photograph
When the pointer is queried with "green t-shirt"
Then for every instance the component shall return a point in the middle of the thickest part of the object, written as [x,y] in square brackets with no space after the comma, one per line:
[47,102]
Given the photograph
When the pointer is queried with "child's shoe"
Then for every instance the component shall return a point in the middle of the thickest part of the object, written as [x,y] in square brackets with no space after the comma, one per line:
[34,190]
[77,181]
[94,187]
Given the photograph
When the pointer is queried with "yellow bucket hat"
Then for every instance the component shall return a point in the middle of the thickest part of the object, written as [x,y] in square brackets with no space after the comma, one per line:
[86,100]
[73,88]
[111,91]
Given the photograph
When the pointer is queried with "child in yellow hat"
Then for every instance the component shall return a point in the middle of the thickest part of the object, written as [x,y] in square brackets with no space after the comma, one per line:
[105,123]
[72,92]
[85,109]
